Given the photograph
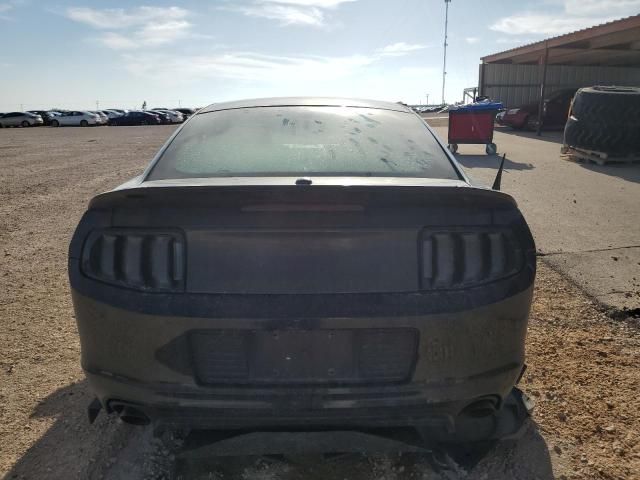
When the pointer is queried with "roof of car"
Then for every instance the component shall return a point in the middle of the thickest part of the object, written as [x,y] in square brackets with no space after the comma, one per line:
[305,101]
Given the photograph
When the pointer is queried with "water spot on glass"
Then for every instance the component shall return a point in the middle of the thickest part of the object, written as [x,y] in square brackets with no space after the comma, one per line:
[318,122]
[285,122]
[389,163]
[357,130]
[372,140]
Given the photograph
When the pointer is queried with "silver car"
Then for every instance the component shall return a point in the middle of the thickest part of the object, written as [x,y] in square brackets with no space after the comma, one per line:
[102,117]
[174,116]
[76,118]
[20,119]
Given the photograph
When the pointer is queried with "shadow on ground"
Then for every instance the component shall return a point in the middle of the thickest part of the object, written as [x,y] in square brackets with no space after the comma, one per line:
[553,136]
[491,162]
[626,171]
[108,449]
[525,458]
[71,448]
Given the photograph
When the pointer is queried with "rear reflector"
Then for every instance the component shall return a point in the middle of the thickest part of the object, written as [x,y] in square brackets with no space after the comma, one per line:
[145,260]
[458,259]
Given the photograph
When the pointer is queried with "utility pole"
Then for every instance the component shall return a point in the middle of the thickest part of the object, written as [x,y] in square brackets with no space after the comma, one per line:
[97,105]
[427,99]
[444,63]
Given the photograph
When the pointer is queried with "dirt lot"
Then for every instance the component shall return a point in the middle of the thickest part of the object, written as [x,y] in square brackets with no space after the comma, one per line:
[583,366]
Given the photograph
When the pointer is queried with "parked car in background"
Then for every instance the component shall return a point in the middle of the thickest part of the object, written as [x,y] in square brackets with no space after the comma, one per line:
[173,115]
[103,119]
[555,112]
[117,110]
[164,118]
[20,119]
[186,112]
[76,118]
[47,115]
[111,114]
[385,281]
[136,117]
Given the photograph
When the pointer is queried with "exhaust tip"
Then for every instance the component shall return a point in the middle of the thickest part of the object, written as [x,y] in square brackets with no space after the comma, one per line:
[482,408]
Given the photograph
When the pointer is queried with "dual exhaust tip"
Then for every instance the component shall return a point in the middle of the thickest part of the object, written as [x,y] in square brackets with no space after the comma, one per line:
[133,415]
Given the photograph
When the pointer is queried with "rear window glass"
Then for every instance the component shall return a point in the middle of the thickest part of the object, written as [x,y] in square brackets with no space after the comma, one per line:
[304,141]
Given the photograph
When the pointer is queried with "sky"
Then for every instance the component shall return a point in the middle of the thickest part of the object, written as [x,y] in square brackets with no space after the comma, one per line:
[74,53]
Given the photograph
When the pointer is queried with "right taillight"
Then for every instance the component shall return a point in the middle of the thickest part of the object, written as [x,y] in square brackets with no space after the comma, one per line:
[463,258]
[140,259]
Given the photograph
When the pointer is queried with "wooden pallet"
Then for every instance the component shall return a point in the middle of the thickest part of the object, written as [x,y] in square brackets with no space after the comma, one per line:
[600,158]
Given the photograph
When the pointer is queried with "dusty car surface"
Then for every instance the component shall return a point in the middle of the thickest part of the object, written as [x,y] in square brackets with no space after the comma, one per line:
[304,262]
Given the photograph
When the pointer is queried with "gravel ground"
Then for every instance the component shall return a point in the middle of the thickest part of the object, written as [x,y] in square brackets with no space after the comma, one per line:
[583,366]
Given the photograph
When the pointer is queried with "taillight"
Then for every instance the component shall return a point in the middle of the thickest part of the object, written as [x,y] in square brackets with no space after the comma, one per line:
[462,258]
[141,259]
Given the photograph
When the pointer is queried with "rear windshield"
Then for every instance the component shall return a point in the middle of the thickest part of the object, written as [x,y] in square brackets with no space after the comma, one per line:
[304,141]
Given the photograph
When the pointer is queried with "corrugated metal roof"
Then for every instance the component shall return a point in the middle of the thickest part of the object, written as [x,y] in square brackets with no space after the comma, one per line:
[627,23]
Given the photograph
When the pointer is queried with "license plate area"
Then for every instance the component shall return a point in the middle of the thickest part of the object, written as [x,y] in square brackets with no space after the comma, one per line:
[303,357]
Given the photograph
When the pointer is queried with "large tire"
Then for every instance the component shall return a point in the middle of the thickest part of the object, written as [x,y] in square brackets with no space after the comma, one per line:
[84,123]
[612,105]
[605,119]
[25,124]
[55,123]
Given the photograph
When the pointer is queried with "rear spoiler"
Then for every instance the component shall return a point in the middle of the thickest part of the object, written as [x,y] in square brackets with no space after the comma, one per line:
[218,196]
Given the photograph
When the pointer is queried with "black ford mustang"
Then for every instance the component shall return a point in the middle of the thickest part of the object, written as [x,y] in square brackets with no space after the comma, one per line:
[304,262]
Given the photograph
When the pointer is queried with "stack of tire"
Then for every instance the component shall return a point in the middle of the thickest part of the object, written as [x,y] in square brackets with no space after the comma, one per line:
[606,120]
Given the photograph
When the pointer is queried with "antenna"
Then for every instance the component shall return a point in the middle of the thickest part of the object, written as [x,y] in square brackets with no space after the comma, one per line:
[498,180]
[444,63]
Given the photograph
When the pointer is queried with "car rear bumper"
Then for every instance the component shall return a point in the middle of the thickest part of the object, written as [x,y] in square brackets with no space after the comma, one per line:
[147,361]
[518,120]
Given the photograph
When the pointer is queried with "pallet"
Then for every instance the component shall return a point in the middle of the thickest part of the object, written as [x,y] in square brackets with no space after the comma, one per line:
[601,158]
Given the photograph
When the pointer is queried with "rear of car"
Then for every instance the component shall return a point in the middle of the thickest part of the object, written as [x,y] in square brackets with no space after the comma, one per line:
[298,263]
[555,112]
[103,118]
[173,116]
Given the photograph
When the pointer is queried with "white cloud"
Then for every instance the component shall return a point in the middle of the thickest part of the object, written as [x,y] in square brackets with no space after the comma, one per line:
[117,41]
[602,7]
[7,7]
[290,12]
[246,66]
[119,18]
[147,26]
[576,15]
[311,3]
[285,14]
[541,24]
[471,40]
[399,49]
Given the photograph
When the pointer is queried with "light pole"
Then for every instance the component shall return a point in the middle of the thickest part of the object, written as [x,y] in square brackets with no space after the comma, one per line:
[444,63]
[427,99]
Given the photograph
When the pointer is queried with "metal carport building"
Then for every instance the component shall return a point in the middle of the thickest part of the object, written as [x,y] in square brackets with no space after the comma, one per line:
[607,54]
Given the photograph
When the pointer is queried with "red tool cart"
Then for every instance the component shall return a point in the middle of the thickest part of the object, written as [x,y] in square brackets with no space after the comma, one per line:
[473,124]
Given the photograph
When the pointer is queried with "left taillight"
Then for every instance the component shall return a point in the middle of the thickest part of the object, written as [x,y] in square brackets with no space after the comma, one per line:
[139,259]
